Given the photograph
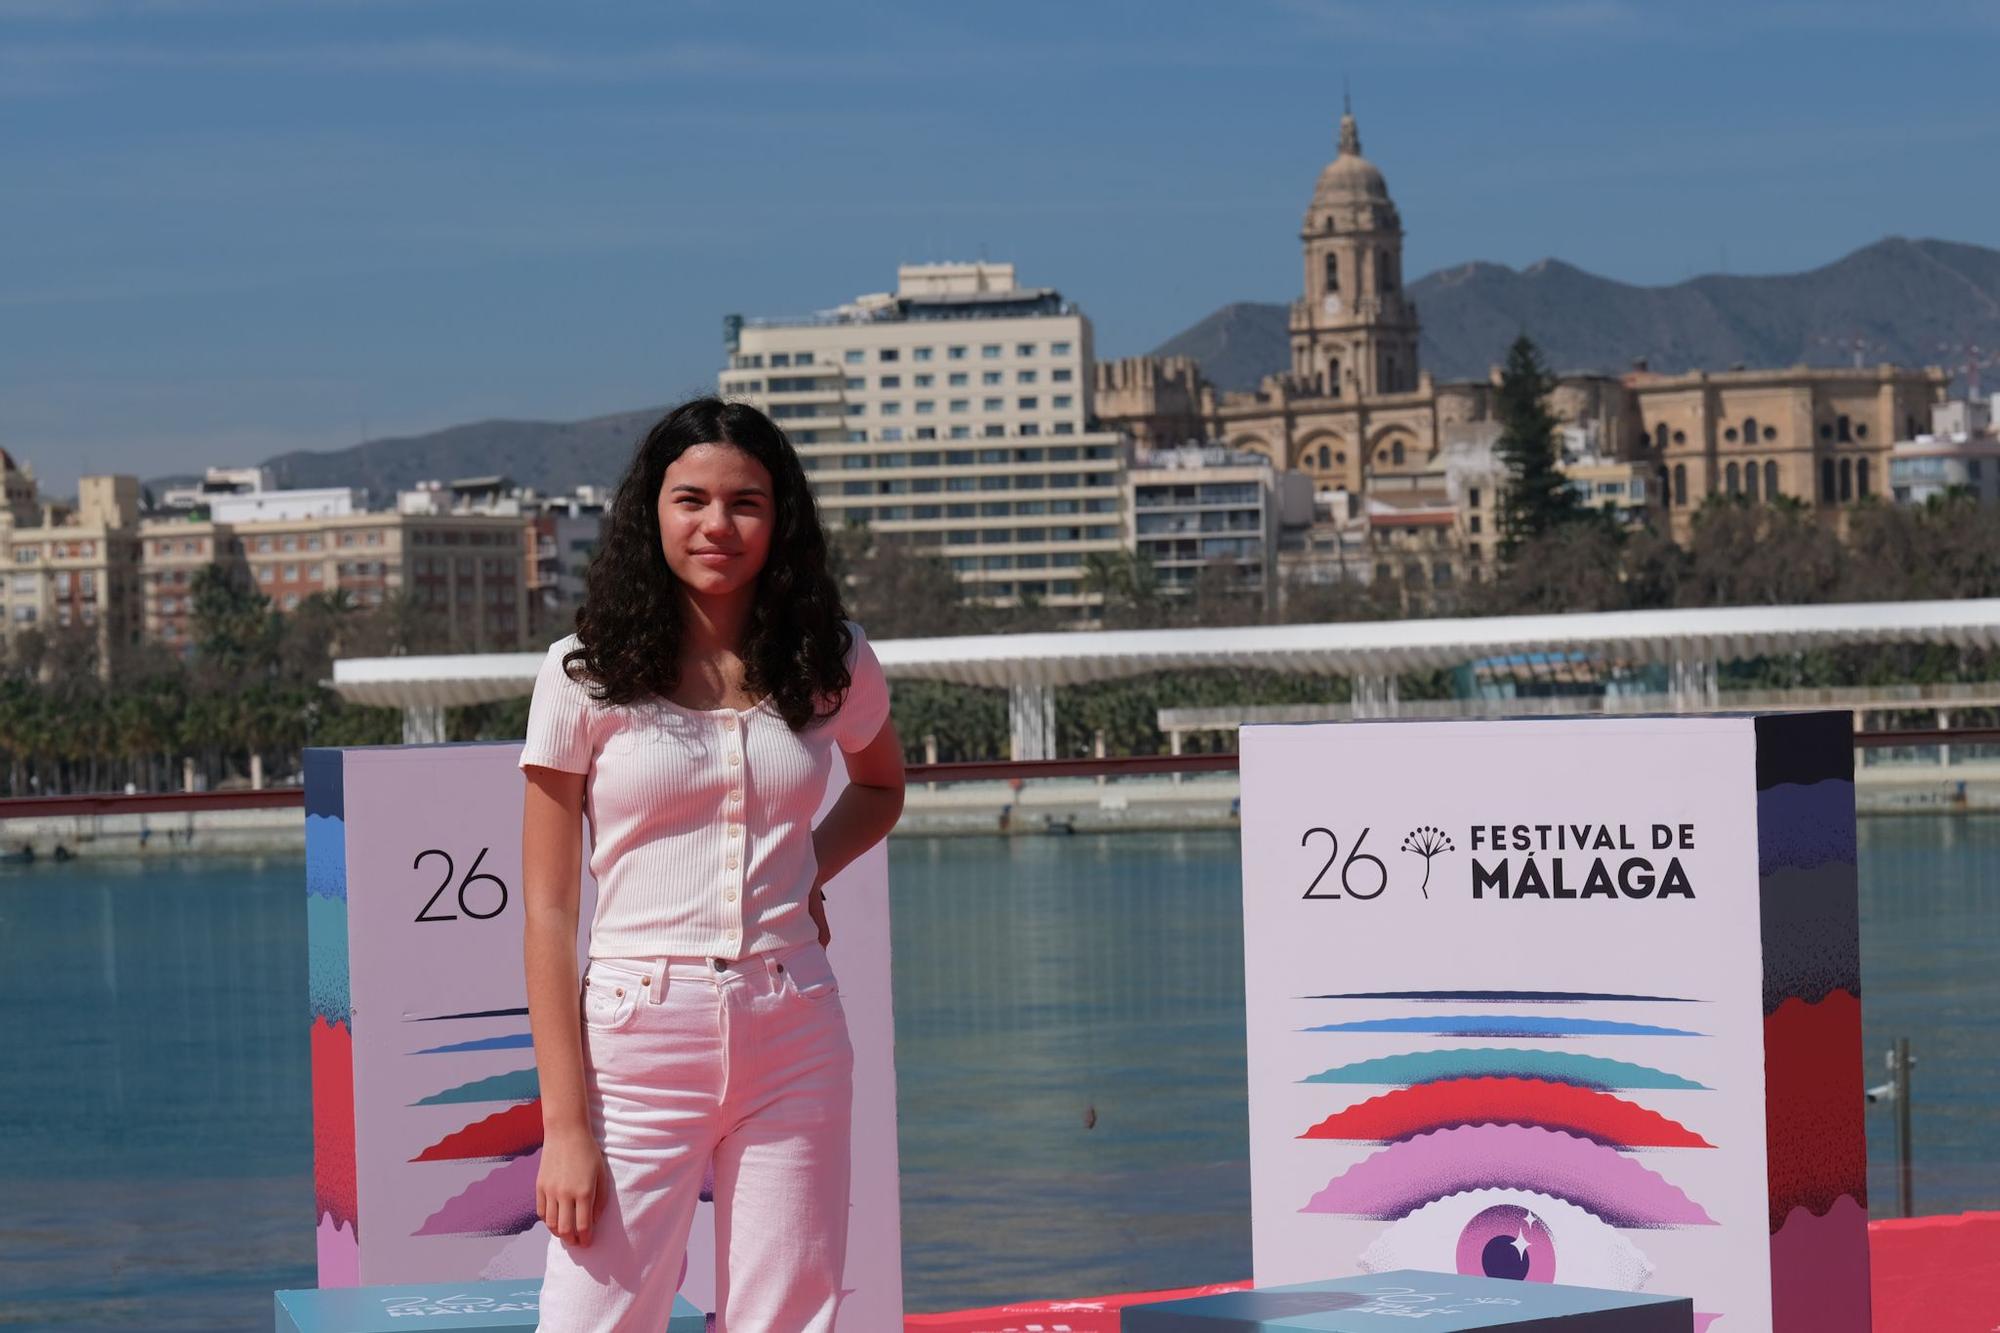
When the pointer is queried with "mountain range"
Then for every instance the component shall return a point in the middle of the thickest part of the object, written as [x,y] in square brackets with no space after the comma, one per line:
[1922,302]
[1909,302]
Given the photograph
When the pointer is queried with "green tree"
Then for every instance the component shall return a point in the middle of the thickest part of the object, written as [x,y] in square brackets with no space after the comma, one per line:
[1537,498]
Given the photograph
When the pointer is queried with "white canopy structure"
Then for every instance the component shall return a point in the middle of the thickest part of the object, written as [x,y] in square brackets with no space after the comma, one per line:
[1372,653]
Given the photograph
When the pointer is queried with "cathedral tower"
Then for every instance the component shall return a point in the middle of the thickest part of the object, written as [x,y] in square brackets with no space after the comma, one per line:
[1355,332]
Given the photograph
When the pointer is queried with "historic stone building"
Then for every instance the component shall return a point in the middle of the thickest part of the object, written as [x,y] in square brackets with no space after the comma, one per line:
[1356,412]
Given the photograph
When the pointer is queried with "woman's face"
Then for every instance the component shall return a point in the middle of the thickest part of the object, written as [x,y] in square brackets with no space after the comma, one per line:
[716,517]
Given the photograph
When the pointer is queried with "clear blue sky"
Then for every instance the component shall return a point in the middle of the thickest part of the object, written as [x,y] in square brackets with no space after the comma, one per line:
[236,227]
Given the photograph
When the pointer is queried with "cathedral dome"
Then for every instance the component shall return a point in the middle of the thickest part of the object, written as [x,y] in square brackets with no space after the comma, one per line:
[1350,178]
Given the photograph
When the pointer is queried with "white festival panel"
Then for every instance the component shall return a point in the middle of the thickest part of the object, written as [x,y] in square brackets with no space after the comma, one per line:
[426,1144]
[1560,1000]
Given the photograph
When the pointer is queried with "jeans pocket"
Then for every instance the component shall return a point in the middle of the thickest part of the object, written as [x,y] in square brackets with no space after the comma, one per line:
[810,975]
[611,996]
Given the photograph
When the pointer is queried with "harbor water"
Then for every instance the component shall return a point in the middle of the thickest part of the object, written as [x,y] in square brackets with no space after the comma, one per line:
[1069,1017]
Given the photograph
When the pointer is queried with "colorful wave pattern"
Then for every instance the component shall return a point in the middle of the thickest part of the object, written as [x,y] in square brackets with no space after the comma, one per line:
[1519,1121]
[1813,1105]
[330,1014]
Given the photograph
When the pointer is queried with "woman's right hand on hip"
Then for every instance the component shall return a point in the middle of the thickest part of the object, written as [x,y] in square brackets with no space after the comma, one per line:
[570,1185]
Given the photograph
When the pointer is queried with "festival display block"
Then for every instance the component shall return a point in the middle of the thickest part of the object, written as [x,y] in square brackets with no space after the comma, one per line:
[464,1307]
[426,1108]
[1561,1000]
[1438,1302]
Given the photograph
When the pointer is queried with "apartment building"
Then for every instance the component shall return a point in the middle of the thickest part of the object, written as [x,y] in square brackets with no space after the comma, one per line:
[468,573]
[1195,505]
[70,567]
[956,413]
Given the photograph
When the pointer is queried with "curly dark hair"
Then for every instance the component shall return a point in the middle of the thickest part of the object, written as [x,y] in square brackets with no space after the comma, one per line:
[629,629]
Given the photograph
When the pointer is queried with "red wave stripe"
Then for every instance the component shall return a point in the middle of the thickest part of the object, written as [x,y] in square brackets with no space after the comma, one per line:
[514,1132]
[333,1122]
[1817,1138]
[1584,1112]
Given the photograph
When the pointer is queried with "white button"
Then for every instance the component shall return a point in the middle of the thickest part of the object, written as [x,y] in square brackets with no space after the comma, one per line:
[730,896]
[734,831]
[732,863]
[732,758]
[735,795]
[729,721]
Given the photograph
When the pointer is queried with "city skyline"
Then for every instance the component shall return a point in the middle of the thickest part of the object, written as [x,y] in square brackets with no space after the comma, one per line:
[247,233]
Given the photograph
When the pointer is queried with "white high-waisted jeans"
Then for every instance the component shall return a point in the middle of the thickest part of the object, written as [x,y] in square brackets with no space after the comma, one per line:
[692,1060]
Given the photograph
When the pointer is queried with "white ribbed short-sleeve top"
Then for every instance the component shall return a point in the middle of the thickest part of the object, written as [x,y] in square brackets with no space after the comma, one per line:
[700,819]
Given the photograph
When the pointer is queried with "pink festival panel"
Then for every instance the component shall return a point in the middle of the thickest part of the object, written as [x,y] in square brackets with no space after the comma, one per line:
[426,1109]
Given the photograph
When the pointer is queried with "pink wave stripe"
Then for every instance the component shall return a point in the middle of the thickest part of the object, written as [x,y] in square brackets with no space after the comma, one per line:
[339,1253]
[1430,1166]
[500,1203]
[1819,1270]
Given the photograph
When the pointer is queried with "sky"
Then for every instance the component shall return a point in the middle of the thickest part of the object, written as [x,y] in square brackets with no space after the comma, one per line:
[232,228]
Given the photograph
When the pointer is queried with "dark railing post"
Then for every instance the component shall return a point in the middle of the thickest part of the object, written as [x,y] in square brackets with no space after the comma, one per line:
[1899,1066]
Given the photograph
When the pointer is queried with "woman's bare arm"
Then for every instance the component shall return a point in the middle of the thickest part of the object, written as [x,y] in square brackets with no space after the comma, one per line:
[863,814]
[566,1191]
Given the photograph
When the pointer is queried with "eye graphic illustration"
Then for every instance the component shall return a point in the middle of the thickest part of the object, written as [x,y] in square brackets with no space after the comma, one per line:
[1512,1234]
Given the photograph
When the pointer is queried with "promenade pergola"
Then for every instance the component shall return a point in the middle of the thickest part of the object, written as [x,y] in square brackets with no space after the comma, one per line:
[1031,667]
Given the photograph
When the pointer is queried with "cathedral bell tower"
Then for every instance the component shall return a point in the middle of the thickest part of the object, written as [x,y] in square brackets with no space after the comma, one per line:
[1354,332]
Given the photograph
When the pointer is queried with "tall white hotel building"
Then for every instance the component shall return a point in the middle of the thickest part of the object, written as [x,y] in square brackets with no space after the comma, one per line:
[954,411]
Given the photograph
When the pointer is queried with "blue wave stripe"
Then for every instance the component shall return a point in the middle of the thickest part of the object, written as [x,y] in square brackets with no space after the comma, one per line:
[1504,1025]
[1584,1071]
[1501,996]
[513,1041]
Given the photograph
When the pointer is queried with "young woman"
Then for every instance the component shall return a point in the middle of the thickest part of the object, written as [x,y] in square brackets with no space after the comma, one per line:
[692,718]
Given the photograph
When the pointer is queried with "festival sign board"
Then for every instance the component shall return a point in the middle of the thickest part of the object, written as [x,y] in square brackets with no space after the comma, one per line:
[1570,1000]
[426,1107]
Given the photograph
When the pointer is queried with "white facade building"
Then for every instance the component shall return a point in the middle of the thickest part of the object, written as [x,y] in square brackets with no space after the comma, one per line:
[1962,452]
[1193,505]
[954,414]
[287,506]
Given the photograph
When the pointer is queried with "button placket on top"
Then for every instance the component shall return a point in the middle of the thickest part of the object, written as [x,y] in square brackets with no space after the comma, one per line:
[736,854]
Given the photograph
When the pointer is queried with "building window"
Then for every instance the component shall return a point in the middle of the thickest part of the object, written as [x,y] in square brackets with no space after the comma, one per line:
[1733,480]
[924,381]
[1680,485]
[1061,375]
[959,405]
[1325,456]
[921,354]
[1846,480]
[1770,480]
[854,356]
[1826,489]
[1729,435]
[1024,349]
[954,353]
[1029,403]
[990,352]
[1860,430]
[887,354]
[1396,450]
[925,407]
[1059,349]
[892,382]
[1024,377]
[781,359]
[1750,482]
[1062,401]
[958,379]
[993,404]
[1770,433]
[1332,273]
[1843,429]
[1861,479]
[1749,430]
[992,377]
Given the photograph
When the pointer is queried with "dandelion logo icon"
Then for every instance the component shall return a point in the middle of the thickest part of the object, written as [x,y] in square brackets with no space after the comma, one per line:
[1427,842]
